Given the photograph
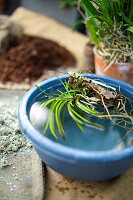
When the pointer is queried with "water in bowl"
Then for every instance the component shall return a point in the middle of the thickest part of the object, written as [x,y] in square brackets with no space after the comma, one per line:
[92,139]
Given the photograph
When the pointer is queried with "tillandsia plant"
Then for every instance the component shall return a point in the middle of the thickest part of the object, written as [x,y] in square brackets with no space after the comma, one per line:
[110,24]
[84,97]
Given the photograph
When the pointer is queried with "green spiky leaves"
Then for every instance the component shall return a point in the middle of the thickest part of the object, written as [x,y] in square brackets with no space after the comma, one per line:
[110,26]
[80,104]
[71,101]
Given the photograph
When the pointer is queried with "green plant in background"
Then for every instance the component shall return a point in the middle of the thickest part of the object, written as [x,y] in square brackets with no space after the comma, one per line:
[66,3]
[110,24]
[83,97]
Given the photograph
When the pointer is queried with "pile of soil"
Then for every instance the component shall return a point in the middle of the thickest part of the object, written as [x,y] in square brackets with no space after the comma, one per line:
[29,58]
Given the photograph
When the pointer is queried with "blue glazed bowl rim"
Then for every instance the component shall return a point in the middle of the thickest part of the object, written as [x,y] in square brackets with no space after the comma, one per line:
[53,147]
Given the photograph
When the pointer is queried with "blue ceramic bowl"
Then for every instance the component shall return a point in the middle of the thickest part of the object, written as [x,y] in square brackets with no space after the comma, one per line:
[74,162]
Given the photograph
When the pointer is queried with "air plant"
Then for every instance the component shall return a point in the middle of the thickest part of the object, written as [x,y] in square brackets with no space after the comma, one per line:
[82,98]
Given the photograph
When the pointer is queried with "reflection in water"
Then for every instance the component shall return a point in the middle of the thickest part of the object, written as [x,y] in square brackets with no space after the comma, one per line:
[38,116]
[91,139]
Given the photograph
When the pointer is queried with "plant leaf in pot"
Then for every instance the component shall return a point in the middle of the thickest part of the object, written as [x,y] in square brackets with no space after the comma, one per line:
[110,24]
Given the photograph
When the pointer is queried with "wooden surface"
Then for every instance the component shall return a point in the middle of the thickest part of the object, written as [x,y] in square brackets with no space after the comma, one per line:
[57,186]
[62,188]
[22,179]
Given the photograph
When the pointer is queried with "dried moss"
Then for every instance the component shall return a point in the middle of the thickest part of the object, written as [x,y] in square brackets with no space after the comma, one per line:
[11,137]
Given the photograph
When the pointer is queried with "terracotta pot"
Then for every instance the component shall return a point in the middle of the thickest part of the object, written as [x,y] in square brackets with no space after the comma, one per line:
[121,71]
